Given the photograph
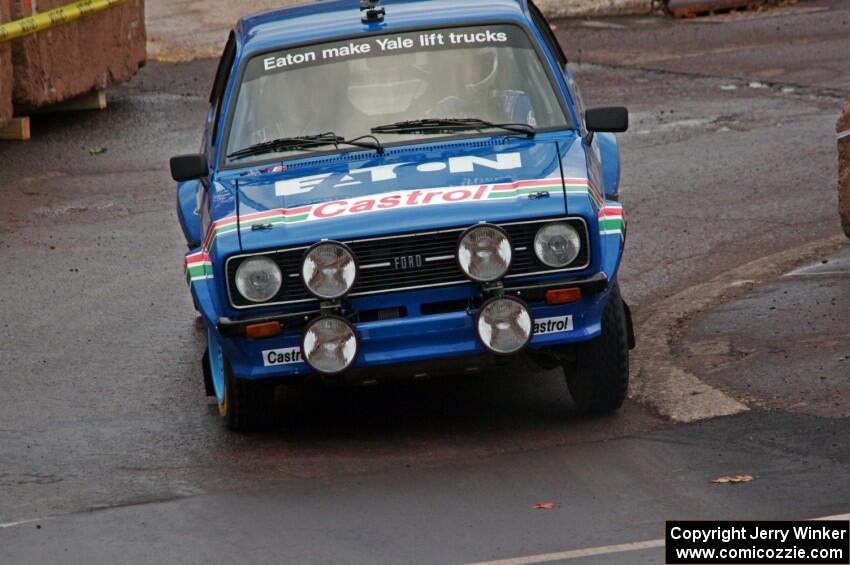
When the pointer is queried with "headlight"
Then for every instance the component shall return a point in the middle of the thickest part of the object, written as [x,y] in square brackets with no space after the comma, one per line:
[329,345]
[484,253]
[329,270]
[258,279]
[557,245]
[504,325]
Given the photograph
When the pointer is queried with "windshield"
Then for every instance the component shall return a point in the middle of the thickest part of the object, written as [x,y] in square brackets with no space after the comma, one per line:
[490,73]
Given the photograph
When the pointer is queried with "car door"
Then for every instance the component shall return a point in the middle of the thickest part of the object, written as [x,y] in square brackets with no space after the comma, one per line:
[216,114]
[193,196]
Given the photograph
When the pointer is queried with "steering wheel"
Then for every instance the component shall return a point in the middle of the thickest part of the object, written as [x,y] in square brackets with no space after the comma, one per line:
[490,77]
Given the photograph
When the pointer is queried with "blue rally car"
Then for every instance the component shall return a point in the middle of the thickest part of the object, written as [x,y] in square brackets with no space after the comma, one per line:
[403,188]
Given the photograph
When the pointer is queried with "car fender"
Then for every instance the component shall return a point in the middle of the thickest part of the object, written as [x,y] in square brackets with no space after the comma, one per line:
[187,212]
[609,152]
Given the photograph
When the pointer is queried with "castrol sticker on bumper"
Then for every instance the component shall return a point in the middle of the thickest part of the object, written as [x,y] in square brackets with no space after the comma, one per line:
[288,356]
[555,325]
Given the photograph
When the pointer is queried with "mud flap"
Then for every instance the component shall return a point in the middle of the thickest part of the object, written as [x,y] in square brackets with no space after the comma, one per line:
[630,328]
[205,363]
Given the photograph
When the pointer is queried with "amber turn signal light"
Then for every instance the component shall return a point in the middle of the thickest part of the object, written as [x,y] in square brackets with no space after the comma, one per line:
[259,331]
[563,295]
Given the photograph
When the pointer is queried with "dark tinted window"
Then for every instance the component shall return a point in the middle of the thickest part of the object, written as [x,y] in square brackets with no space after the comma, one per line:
[549,37]
[220,83]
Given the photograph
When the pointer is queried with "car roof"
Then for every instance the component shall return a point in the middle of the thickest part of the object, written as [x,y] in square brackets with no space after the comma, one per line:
[324,20]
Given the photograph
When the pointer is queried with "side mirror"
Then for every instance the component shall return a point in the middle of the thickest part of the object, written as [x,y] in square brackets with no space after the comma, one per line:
[613,119]
[189,167]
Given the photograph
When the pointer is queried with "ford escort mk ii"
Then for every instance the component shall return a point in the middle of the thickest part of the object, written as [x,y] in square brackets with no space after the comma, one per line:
[402,189]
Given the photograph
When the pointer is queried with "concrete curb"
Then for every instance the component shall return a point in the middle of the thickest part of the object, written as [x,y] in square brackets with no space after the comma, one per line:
[671,390]
[586,8]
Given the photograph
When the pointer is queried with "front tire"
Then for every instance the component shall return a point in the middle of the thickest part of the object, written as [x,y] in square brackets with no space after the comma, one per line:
[598,380]
[244,405]
[248,405]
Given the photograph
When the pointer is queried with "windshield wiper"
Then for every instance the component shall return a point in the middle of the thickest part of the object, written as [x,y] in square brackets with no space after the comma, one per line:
[448,125]
[307,142]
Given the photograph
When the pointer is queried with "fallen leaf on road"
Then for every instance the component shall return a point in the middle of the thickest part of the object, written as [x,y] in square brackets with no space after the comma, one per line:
[544,506]
[98,151]
[733,479]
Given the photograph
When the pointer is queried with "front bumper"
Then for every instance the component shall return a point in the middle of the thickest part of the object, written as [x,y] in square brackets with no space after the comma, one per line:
[419,337]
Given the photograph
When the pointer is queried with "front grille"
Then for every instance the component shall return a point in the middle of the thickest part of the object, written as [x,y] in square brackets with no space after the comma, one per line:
[436,248]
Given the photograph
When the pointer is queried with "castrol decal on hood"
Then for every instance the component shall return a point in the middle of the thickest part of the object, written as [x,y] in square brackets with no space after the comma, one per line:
[382,202]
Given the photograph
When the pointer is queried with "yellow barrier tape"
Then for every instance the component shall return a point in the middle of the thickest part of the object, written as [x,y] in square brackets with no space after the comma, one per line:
[46,20]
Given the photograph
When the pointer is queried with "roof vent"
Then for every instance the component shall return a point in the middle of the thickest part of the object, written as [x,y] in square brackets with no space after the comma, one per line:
[372,14]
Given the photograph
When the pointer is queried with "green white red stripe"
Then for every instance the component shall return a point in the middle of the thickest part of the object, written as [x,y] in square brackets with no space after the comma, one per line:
[583,187]
[612,220]
[198,266]
[523,188]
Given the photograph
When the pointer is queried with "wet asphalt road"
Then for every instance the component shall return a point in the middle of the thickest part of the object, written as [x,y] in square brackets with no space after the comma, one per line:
[804,45]
[107,440]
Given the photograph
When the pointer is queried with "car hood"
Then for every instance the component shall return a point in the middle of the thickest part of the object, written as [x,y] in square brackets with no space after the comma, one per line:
[362,194]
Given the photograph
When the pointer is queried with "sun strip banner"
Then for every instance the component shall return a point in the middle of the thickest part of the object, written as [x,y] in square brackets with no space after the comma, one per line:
[198,266]
[47,20]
